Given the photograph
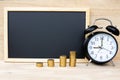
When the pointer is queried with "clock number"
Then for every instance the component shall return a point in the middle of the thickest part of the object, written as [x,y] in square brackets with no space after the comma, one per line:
[95,55]
[110,42]
[90,47]
[101,57]
[92,52]
[96,39]
[107,56]
[110,52]
[92,43]
[102,37]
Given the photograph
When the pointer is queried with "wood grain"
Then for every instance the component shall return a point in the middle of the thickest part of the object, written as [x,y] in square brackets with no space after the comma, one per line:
[29,71]
[99,8]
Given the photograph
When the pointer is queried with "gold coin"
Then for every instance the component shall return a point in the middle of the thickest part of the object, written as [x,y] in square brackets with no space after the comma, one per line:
[50,63]
[62,61]
[39,64]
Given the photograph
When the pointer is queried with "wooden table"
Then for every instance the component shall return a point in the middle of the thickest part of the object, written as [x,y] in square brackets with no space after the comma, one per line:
[29,71]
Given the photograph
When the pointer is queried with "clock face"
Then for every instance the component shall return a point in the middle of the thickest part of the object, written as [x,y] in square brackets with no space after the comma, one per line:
[102,47]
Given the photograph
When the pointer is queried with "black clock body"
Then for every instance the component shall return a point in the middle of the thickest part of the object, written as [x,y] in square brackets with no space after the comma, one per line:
[98,49]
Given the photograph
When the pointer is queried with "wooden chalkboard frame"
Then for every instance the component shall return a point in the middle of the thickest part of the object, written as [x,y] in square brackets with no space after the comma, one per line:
[86,10]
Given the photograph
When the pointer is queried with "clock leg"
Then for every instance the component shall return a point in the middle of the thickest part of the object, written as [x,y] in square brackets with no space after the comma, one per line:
[112,63]
[89,62]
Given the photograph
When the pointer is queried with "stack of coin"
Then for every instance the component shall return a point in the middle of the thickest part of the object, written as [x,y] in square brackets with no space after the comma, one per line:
[50,63]
[72,62]
[62,61]
[39,64]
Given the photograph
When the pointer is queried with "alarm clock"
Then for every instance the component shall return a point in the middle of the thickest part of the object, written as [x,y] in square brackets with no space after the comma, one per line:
[101,47]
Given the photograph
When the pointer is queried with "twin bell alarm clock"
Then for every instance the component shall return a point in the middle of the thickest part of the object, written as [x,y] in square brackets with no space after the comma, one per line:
[101,46]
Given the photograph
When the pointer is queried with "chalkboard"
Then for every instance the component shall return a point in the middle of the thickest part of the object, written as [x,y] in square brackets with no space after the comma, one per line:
[44,34]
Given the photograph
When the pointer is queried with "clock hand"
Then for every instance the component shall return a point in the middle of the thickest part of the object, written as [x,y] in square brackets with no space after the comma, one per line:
[99,50]
[99,47]
[105,49]
[101,41]
[96,47]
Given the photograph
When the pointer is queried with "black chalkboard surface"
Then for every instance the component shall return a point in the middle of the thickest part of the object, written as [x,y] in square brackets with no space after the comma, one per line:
[45,34]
